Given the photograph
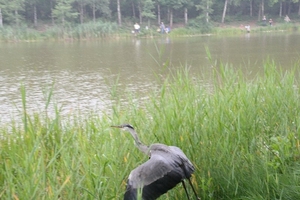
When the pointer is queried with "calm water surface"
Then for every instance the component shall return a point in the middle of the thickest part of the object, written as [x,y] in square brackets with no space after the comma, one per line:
[84,73]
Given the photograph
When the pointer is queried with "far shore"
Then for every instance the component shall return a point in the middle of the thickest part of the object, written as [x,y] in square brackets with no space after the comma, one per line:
[100,30]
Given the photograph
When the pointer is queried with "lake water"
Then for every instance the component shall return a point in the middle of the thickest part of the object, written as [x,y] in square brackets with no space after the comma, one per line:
[84,72]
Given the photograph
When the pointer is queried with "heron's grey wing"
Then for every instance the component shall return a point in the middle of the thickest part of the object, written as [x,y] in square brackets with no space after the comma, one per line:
[155,168]
[156,176]
[187,165]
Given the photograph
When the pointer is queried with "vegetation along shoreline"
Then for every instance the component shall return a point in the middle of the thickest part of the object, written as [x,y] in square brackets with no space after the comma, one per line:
[242,136]
[28,20]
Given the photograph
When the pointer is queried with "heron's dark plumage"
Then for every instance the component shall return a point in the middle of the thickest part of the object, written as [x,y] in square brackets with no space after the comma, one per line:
[155,189]
[167,167]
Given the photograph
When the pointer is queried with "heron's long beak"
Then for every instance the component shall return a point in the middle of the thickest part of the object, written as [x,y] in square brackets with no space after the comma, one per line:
[114,126]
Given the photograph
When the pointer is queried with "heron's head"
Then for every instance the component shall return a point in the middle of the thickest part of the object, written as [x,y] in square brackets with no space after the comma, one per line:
[125,127]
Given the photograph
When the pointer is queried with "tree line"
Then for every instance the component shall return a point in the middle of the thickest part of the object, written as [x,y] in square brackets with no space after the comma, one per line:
[62,12]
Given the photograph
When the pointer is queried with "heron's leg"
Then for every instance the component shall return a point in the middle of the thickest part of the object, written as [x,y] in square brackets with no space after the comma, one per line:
[185,189]
[193,189]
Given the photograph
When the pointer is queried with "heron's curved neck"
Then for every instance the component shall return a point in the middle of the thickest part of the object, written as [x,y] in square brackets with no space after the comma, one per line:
[142,147]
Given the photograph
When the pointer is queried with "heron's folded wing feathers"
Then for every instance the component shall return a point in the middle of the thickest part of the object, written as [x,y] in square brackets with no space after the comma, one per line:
[185,162]
[155,168]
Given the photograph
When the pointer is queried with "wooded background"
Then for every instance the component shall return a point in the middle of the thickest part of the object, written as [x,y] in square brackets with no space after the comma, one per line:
[62,12]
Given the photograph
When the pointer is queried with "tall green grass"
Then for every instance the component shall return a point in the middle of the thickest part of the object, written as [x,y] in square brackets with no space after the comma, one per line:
[18,34]
[241,135]
[56,32]
[91,30]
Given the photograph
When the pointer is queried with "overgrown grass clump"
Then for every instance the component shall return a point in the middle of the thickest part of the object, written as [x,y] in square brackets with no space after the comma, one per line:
[18,34]
[241,135]
[91,30]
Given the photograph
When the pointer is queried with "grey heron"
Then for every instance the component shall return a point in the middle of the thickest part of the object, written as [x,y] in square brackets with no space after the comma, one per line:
[167,166]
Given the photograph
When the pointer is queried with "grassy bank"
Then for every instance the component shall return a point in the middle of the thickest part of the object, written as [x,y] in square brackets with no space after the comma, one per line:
[100,30]
[242,136]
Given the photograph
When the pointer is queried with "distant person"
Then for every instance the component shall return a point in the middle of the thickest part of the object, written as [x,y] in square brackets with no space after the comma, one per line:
[167,30]
[247,28]
[264,20]
[271,22]
[162,27]
[287,19]
[136,28]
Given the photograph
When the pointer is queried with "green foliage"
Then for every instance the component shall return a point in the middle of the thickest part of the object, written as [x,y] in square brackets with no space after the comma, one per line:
[242,136]
[85,31]
[202,24]
[102,6]
[66,11]
[147,10]
[63,11]
[94,30]
[21,33]
[10,10]
[205,7]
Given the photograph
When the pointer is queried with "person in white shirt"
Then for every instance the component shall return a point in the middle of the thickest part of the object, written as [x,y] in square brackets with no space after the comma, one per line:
[136,28]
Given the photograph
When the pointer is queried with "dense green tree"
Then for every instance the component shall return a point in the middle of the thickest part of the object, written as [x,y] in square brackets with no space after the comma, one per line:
[298,7]
[102,6]
[33,4]
[80,7]
[159,5]
[206,7]
[228,3]
[186,6]
[147,10]
[2,6]
[174,5]
[13,12]
[64,11]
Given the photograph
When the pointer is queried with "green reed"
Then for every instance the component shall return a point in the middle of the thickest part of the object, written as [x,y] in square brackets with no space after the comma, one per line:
[18,34]
[58,32]
[242,136]
[91,30]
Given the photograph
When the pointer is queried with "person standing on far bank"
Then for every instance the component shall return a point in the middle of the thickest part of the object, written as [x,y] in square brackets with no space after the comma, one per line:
[136,28]
[264,20]
[162,27]
[271,22]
